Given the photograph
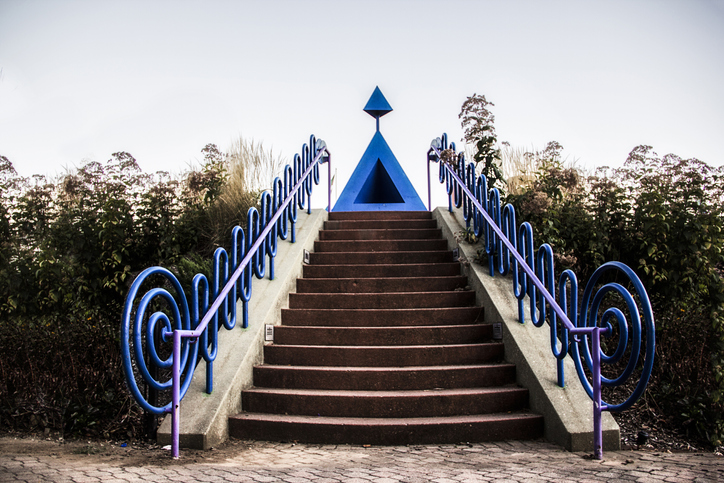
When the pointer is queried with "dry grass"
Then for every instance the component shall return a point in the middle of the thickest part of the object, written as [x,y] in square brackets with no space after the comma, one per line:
[520,165]
[251,170]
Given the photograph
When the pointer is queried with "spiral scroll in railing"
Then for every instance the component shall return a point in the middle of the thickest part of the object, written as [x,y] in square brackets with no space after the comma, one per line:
[513,247]
[636,330]
[145,335]
[147,324]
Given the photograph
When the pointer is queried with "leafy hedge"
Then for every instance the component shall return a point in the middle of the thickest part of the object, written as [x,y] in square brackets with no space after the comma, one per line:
[69,251]
[664,217]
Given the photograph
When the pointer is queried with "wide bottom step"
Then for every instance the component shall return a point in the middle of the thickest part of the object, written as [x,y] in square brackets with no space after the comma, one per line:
[386,431]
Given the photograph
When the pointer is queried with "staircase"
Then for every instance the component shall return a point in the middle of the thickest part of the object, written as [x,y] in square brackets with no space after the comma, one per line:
[383,344]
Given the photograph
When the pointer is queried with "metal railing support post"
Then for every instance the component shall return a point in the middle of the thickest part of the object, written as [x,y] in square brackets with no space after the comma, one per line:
[596,380]
[329,184]
[429,190]
[176,394]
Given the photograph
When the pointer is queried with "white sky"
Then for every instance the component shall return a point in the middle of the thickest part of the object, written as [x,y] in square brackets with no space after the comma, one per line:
[83,79]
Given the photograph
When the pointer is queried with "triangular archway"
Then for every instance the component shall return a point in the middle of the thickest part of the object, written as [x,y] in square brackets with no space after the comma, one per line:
[379,187]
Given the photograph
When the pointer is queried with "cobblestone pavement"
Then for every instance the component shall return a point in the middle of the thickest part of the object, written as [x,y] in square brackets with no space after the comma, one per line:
[264,462]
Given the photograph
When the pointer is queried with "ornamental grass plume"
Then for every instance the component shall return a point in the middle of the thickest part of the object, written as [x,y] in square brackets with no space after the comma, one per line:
[250,169]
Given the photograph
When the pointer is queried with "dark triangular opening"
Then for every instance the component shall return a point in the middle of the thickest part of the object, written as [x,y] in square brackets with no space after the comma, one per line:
[379,187]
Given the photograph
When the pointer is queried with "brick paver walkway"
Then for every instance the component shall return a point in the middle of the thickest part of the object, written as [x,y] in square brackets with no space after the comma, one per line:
[263,462]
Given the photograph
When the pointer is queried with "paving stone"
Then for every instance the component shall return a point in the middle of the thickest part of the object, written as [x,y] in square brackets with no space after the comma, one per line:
[263,462]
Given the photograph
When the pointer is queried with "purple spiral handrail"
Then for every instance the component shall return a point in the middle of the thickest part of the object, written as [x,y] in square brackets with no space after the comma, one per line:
[195,329]
[503,240]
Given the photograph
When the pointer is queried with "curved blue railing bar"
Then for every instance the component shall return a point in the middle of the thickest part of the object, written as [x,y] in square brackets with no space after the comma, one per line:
[194,330]
[512,250]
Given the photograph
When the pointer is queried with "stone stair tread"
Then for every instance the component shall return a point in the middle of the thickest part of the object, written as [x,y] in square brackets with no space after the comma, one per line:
[442,292]
[381,335]
[384,252]
[383,269]
[391,347]
[332,246]
[348,279]
[384,215]
[381,257]
[386,394]
[385,403]
[388,431]
[387,294]
[381,234]
[405,294]
[461,298]
[422,317]
[404,232]
[384,328]
[384,377]
[383,356]
[374,285]
[345,369]
[379,224]
[392,279]
[524,414]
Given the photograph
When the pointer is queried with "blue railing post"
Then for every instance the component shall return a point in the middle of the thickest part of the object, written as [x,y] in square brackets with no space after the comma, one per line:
[597,409]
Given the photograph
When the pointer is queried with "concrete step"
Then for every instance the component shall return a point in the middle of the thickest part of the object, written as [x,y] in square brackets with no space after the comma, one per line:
[383,270]
[388,257]
[384,317]
[384,378]
[384,404]
[400,300]
[378,285]
[379,224]
[377,234]
[387,431]
[379,245]
[374,336]
[379,215]
[383,356]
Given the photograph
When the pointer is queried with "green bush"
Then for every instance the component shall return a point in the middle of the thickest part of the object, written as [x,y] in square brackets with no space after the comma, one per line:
[69,251]
[662,216]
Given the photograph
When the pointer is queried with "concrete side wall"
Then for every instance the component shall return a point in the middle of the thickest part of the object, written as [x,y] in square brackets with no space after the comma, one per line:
[204,417]
[567,412]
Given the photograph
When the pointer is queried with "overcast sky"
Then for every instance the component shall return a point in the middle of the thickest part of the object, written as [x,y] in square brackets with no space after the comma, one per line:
[80,80]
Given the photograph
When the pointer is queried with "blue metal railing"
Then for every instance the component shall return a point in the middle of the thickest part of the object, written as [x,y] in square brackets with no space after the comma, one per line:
[511,249]
[195,329]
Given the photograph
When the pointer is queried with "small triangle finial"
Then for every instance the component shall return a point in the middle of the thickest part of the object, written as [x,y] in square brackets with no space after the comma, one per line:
[377,106]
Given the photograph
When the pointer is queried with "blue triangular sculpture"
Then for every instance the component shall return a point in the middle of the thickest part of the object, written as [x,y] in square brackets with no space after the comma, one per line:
[378,183]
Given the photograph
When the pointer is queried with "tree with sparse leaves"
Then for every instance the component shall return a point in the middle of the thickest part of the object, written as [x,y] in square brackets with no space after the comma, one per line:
[477,122]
